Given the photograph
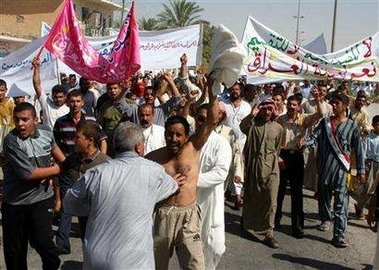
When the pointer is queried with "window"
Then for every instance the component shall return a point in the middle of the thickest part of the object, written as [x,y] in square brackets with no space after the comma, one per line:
[85,13]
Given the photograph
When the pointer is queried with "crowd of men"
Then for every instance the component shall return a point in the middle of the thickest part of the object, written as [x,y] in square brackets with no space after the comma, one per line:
[146,166]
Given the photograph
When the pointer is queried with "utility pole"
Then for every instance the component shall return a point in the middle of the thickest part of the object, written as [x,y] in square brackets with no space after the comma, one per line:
[122,13]
[298,17]
[334,26]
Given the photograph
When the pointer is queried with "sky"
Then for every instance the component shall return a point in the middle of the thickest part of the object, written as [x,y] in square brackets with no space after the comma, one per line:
[355,19]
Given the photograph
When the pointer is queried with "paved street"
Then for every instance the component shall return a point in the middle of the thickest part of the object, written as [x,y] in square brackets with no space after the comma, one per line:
[246,252]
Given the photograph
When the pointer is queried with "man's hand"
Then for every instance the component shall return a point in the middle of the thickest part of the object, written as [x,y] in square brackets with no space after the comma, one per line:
[282,164]
[181,179]
[301,143]
[361,177]
[167,77]
[237,179]
[191,95]
[57,205]
[255,110]
[315,93]
[184,59]
[36,62]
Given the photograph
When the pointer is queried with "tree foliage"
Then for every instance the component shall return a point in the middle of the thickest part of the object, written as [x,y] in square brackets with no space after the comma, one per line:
[148,24]
[180,13]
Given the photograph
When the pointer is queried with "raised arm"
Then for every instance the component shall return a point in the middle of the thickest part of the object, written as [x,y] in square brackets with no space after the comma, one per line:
[187,106]
[246,122]
[183,66]
[204,94]
[312,119]
[37,77]
[170,82]
[201,135]
[161,89]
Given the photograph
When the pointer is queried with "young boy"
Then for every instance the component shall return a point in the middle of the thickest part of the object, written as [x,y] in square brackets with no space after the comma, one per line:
[371,155]
[6,110]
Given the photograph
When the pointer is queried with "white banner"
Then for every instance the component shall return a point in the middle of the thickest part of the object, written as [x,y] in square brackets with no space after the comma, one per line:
[162,49]
[159,49]
[270,55]
[16,68]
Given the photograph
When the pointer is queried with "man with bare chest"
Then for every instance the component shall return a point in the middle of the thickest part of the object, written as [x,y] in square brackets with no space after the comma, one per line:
[177,219]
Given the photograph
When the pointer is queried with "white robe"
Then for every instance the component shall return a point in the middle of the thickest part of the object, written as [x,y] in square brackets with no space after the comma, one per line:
[215,160]
[154,138]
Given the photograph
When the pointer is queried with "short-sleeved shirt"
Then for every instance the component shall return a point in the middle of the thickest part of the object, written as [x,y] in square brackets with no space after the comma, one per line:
[50,111]
[65,132]
[22,157]
[6,119]
[293,131]
[371,147]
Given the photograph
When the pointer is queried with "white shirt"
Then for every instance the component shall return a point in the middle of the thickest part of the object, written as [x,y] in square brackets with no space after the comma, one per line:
[50,111]
[371,147]
[154,138]
[234,116]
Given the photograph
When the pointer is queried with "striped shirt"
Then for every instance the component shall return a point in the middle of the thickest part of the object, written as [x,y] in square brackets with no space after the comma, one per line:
[65,132]
[330,168]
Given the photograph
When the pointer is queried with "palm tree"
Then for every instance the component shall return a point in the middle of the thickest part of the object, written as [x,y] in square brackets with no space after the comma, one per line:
[179,13]
[148,24]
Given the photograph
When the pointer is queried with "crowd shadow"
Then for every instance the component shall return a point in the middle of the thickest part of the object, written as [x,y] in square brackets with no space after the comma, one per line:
[318,238]
[358,225]
[233,226]
[310,262]
[232,223]
[72,265]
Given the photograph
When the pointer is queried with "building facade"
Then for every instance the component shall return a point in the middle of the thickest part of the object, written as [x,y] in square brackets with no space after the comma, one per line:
[21,20]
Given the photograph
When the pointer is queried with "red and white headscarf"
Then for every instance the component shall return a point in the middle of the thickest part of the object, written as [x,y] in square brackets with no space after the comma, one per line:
[269,103]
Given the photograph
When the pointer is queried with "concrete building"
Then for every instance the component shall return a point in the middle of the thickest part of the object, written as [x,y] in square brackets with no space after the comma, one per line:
[21,20]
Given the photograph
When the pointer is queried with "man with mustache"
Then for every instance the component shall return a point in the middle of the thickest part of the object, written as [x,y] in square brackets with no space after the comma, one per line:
[154,134]
[336,137]
[177,219]
[164,84]
[236,110]
[291,160]
[108,115]
[262,171]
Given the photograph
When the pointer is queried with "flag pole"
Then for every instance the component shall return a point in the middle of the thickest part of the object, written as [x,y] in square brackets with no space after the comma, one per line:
[58,73]
[38,54]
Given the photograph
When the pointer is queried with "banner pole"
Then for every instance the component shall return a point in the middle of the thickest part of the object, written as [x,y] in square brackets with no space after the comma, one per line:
[38,54]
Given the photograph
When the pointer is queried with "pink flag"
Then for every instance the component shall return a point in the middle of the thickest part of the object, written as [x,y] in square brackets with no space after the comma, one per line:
[67,42]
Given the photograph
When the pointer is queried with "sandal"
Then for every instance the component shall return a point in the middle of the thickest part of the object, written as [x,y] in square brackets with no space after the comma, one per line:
[339,242]
[323,227]
[271,242]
